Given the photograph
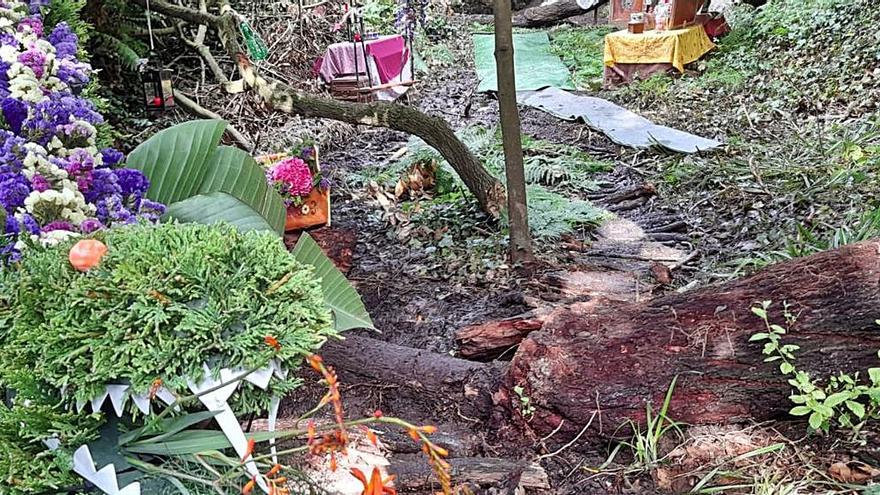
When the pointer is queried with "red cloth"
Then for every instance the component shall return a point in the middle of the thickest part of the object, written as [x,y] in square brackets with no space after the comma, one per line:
[390,55]
[716,27]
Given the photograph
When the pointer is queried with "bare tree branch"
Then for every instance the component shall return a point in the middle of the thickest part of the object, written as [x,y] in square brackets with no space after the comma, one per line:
[201,111]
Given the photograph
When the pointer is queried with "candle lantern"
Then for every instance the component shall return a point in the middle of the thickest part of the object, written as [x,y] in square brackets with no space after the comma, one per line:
[158,92]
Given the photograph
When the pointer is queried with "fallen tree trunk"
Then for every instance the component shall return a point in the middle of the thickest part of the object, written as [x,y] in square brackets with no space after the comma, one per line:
[610,363]
[600,367]
[547,13]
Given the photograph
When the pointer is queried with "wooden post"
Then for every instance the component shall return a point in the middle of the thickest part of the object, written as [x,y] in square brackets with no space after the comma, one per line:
[520,236]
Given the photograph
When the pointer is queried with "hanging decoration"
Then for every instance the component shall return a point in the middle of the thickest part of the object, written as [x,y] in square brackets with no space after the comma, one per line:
[257,49]
[156,81]
[158,91]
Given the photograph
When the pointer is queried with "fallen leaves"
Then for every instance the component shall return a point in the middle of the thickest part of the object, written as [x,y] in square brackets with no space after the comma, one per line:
[853,472]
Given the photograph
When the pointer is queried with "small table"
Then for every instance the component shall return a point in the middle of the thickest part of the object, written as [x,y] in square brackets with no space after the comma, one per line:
[629,55]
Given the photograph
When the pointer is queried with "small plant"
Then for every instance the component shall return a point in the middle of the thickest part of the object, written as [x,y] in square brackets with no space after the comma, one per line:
[525,402]
[645,442]
[844,400]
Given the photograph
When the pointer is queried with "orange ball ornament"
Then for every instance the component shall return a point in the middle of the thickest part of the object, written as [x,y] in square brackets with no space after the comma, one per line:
[86,254]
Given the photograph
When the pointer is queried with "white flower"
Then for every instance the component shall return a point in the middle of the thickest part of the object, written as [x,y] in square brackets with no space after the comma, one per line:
[56,237]
[9,54]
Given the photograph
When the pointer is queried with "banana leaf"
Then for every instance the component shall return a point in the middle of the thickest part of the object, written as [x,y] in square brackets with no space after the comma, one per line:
[200,181]
[341,297]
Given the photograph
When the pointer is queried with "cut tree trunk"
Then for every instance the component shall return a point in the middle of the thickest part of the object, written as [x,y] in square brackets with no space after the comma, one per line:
[612,362]
[600,368]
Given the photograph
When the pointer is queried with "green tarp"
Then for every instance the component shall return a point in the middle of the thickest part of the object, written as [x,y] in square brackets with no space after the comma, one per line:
[536,67]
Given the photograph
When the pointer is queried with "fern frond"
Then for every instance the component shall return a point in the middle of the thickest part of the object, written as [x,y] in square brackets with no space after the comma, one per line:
[118,49]
[552,215]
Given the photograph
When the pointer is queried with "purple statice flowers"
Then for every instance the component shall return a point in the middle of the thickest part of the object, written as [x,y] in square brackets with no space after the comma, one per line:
[53,177]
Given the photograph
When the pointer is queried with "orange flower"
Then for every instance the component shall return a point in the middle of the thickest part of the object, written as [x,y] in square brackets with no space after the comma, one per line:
[376,485]
[154,387]
[250,449]
[316,362]
[371,436]
[272,342]
[414,435]
[248,487]
[429,429]
[275,470]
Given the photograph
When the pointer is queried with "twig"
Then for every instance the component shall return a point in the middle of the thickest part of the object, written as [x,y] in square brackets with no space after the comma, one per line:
[569,444]
[204,112]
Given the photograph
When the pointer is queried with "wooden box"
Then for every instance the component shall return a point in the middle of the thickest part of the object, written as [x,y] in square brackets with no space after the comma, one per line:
[683,13]
[621,9]
[314,210]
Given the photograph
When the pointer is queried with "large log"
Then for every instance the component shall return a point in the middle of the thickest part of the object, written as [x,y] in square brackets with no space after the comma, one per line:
[606,365]
[547,13]
[600,366]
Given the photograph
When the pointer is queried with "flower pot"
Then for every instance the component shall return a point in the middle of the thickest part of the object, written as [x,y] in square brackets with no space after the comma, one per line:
[313,211]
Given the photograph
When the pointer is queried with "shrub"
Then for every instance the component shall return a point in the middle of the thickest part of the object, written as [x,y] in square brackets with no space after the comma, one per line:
[163,301]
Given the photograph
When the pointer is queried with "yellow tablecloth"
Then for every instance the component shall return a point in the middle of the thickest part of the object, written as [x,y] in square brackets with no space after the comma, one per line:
[677,47]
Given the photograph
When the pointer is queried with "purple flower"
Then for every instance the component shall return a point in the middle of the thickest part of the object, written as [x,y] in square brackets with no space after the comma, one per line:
[150,210]
[111,157]
[15,112]
[30,224]
[14,188]
[52,116]
[59,225]
[34,5]
[35,24]
[11,152]
[73,73]
[39,183]
[35,59]
[132,182]
[4,79]
[324,184]
[110,211]
[8,39]
[90,225]
[12,226]
[64,40]
[104,184]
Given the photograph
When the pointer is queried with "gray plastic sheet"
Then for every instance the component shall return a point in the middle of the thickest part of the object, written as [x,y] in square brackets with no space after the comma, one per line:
[619,124]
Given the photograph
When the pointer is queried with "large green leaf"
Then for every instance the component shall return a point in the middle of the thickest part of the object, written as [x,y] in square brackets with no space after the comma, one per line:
[176,159]
[348,309]
[191,442]
[166,428]
[234,171]
[218,207]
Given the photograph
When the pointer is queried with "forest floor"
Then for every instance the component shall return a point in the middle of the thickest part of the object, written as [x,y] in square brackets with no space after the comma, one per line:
[429,266]
[798,174]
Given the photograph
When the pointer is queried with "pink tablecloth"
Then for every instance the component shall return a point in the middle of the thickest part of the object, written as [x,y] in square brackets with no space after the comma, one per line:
[388,52]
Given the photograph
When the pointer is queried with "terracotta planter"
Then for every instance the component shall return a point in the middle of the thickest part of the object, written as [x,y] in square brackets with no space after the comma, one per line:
[314,211]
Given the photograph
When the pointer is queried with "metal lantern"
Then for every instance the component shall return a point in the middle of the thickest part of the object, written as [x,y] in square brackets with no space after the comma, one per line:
[158,92]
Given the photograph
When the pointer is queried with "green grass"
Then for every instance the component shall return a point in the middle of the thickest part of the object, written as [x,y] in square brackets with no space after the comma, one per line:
[581,50]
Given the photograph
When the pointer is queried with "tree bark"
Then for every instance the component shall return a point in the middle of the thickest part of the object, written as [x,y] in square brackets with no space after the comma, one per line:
[614,361]
[545,14]
[517,209]
[599,367]
[488,191]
